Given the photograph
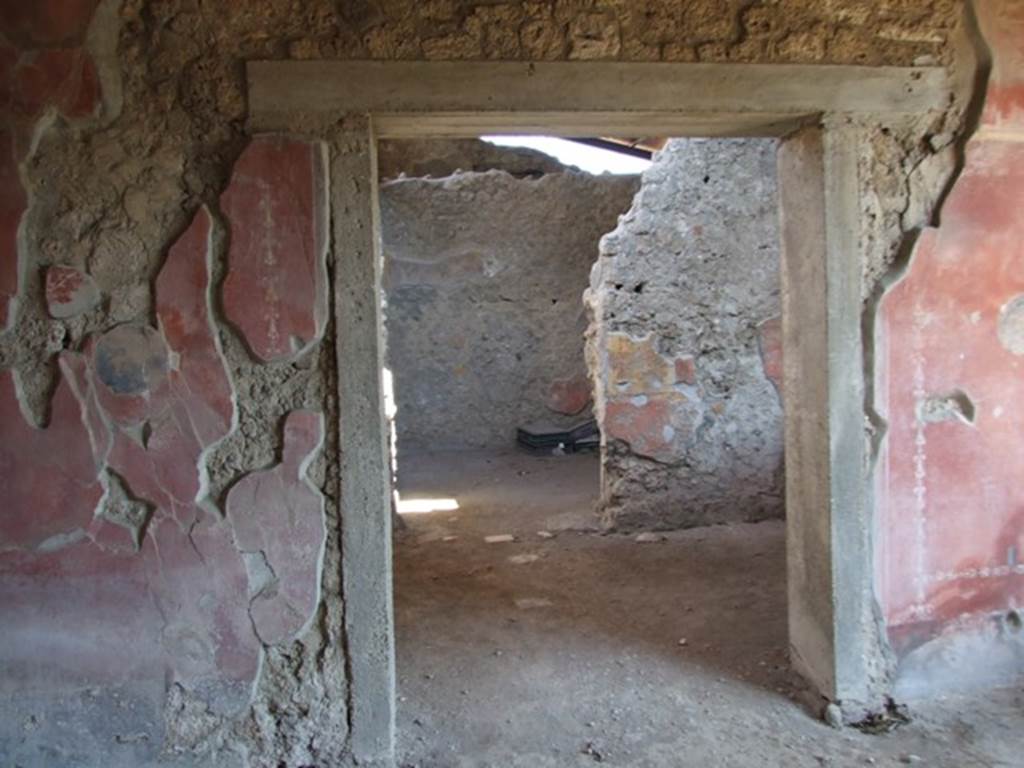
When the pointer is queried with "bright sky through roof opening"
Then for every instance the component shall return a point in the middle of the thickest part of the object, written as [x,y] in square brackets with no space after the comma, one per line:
[589,159]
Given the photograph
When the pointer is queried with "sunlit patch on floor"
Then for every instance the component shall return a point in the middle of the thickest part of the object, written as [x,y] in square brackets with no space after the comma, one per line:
[424,506]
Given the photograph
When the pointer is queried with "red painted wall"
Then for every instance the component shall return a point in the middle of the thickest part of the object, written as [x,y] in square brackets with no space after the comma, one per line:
[91,595]
[950,485]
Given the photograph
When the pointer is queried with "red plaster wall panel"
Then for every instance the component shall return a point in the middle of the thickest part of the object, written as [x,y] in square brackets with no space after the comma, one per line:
[184,394]
[76,616]
[277,513]
[76,371]
[65,78]
[81,601]
[46,22]
[195,573]
[950,381]
[200,380]
[12,207]
[113,537]
[275,289]
[90,613]
[48,478]
[185,589]
[199,583]
[8,61]
[163,471]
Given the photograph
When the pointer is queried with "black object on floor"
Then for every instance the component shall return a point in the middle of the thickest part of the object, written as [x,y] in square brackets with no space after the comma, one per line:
[543,438]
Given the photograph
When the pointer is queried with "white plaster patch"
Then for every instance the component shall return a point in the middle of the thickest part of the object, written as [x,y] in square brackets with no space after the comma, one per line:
[1011,325]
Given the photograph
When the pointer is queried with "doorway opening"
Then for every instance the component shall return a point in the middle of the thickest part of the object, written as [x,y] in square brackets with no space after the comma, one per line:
[487,252]
[825,118]
[554,598]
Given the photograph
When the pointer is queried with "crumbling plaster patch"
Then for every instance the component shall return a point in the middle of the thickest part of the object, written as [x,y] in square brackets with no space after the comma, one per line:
[691,421]
[154,402]
[109,194]
[42,470]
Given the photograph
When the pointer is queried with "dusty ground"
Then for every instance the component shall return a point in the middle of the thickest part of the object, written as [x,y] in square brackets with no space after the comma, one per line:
[575,658]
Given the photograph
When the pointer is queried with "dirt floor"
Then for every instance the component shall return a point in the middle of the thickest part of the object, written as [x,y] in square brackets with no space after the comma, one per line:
[585,648]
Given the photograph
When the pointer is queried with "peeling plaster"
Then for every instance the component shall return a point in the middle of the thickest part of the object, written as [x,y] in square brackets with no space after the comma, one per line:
[108,193]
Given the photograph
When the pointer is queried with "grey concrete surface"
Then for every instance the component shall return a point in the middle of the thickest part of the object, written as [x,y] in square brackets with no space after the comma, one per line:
[364,469]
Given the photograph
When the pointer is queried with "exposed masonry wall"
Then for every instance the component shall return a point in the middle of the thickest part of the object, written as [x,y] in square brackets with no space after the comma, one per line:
[120,120]
[684,342]
[484,277]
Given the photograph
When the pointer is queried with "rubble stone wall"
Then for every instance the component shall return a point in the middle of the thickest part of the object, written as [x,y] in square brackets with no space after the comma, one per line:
[684,341]
[484,278]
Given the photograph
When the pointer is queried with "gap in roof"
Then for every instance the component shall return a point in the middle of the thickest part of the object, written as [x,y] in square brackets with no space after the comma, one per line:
[586,158]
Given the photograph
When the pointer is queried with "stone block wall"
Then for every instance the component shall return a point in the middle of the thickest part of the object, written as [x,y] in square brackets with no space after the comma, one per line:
[484,278]
[684,342]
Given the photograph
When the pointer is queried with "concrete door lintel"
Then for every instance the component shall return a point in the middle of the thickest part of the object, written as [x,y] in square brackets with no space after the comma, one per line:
[833,639]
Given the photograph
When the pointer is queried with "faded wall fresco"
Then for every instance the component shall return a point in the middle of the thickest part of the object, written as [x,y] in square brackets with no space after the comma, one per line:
[950,382]
[141,401]
[119,565]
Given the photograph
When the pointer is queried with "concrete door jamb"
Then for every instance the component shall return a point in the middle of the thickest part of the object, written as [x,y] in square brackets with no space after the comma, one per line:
[350,104]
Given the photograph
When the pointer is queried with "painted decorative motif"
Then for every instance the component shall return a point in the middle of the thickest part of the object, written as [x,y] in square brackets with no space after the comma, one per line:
[950,382]
[275,289]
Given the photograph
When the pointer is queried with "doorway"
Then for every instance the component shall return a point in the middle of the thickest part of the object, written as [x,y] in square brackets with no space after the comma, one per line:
[512,575]
[833,640]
